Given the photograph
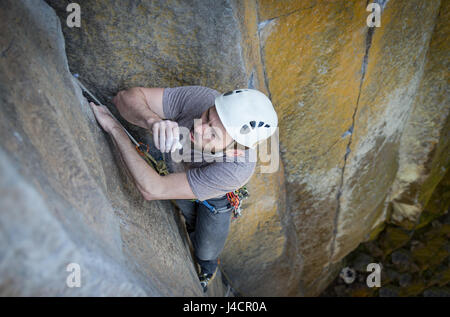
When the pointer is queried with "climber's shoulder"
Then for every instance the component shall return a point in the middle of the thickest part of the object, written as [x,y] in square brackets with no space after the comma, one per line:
[187,101]
[219,178]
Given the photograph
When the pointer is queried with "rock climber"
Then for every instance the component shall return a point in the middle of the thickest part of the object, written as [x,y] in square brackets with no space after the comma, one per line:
[228,127]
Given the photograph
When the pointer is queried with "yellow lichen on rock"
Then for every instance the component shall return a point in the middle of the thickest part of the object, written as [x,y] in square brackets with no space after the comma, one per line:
[312,59]
[269,9]
[396,54]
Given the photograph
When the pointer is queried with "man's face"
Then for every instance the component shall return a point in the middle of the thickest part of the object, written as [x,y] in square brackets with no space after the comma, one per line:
[208,132]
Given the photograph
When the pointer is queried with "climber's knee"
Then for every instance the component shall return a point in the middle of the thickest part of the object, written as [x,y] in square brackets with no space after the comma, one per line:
[206,254]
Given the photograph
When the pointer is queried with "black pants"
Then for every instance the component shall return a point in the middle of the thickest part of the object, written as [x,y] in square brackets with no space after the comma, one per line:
[208,231]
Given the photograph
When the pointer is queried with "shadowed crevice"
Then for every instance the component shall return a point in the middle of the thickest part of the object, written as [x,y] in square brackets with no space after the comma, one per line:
[365,61]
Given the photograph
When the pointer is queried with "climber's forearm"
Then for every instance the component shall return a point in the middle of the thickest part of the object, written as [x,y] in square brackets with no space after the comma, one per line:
[141,172]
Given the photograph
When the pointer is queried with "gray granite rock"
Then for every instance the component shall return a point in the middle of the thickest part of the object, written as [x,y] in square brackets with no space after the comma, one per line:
[65,195]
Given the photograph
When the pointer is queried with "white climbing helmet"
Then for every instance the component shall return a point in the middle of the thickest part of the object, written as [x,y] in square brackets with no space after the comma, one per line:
[247,115]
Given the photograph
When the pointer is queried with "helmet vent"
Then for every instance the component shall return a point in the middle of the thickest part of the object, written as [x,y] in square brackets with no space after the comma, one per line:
[238,91]
[228,93]
[245,129]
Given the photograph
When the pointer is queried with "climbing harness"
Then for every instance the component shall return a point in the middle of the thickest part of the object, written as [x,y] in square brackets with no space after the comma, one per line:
[234,198]
[211,208]
[141,148]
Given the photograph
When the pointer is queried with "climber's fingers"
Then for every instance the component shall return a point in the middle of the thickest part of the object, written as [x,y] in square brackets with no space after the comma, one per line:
[166,135]
[104,119]
[169,138]
[155,130]
[162,138]
[176,138]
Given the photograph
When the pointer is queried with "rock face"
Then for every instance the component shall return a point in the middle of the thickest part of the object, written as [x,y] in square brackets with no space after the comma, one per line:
[349,98]
[424,146]
[65,196]
[122,44]
[187,43]
[364,132]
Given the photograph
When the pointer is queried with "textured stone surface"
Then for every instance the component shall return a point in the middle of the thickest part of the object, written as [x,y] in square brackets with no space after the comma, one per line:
[363,136]
[313,80]
[424,153]
[122,44]
[197,43]
[65,195]
[344,93]
[256,246]
[396,57]
[259,244]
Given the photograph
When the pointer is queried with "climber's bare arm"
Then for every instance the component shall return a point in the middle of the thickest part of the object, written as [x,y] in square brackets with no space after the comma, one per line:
[140,106]
[151,185]
[143,107]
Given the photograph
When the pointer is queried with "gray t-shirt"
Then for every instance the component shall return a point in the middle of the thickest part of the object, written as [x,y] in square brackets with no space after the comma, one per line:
[207,179]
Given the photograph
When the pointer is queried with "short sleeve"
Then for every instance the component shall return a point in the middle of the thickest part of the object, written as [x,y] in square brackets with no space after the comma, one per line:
[187,101]
[217,179]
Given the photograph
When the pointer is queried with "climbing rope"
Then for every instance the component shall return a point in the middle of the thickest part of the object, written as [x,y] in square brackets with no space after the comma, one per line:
[143,149]
[160,166]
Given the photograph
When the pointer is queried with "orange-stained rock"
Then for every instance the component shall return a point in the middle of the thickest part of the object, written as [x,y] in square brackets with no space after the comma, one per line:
[343,93]
[364,138]
[270,9]
[256,243]
[396,60]
[312,59]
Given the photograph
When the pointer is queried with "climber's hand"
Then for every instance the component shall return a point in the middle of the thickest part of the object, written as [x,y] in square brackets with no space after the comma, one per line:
[166,135]
[103,117]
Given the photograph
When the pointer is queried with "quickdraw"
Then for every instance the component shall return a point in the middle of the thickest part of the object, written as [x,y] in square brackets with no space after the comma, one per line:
[235,198]
[159,166]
